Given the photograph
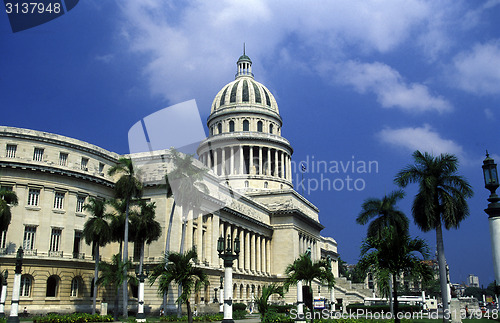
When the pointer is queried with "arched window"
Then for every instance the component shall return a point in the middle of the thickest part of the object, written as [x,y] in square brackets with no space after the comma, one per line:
[246,183]
[246,125]
[52,284]
[259,126]
[219,128]
[26,283]
[265,184]
[134,288]
[271,128]
[76,283]
[231,126]
[211,131]
[92,287]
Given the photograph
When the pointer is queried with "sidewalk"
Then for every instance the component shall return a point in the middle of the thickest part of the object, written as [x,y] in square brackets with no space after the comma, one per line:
[251,318]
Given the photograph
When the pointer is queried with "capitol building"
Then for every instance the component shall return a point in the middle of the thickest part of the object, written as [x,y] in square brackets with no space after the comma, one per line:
[250,195]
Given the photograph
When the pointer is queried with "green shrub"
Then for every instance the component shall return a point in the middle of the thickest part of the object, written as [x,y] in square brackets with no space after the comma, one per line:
[239,314]
[72,318]
[281,308]
[272,316]
[239,306]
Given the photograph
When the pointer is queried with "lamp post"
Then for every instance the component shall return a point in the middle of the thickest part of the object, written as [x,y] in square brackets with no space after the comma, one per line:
[221,297]
[493,210]
[5,274]
[16,288]
[141,317]
[225,249]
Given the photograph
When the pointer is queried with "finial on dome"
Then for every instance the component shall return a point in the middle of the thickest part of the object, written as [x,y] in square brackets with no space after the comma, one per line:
[244,64]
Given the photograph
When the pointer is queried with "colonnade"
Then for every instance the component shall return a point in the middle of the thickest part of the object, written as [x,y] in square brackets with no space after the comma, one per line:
[306,242]
[255,254]
[248,160]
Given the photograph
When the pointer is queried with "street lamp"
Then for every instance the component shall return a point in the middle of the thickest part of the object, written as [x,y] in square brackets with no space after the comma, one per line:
[225,249]
[221,297]
[16,288]
[5,274]
[141,317]
[491,183]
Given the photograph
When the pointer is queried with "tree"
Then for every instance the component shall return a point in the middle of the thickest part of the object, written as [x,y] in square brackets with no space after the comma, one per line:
[179,268]
[127,188]
[304,269]
[441,200]
[111,275]
[261,301]
[8,199]
[97,231]
[145,229]
[184,183]
[395,253]
[384,214]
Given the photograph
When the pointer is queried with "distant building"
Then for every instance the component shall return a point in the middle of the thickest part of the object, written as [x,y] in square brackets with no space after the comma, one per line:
[473,281]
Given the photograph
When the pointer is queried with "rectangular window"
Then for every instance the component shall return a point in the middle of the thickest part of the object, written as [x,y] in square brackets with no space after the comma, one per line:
[63,159]
[58,200]
[11,151]
[101,168]
[33,196]
[75,286]
[38,154]
[3,239]
[80,202]
[55,239]
[6,188]
[29,238]
[77,244]
[85,163]
[25,285]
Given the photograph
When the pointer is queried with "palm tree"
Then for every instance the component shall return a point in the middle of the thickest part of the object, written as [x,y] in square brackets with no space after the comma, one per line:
[441,200]
[118,221]
[111,275]
[304,269]
[8,199]
[179,268]
[395,253]
[385,213]
[145,229]
[97,232]
[261,301]
[127,188]
[184,183]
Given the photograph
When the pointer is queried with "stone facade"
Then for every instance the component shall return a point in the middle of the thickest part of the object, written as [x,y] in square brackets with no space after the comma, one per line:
[250,196]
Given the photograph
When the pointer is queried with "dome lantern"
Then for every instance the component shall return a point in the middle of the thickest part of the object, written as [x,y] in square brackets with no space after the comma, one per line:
[244,64]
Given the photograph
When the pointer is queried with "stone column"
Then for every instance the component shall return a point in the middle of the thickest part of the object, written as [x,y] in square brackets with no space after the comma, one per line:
[216,159]
[242,159]
[260,160]
[252,250]
[268,161]
[241,259]
[250,169]
[200,246]
[282,165]
[247,250]
[231,161]
[258,254]
[234,234]
[268,255]
[276,163]
[223,161]
[263,254]
[209,159]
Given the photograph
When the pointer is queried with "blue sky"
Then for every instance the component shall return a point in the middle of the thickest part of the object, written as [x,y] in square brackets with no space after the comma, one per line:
[355,81]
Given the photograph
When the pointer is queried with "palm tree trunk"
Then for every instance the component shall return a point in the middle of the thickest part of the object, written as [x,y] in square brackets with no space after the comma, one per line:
[125,259]
[167,249]
[117,297]
[96,273]
[190,315]
[442,270]
[396,303]
[183,238]
[141,257]
[391,304]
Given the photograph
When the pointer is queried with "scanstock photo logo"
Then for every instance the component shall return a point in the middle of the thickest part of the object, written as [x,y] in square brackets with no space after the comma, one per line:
[332,175]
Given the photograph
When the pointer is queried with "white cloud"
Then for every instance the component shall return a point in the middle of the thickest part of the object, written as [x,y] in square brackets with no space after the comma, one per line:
[389,87]
[477,71]
[489,114]
[105,58]
[191,49]
[423,138]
